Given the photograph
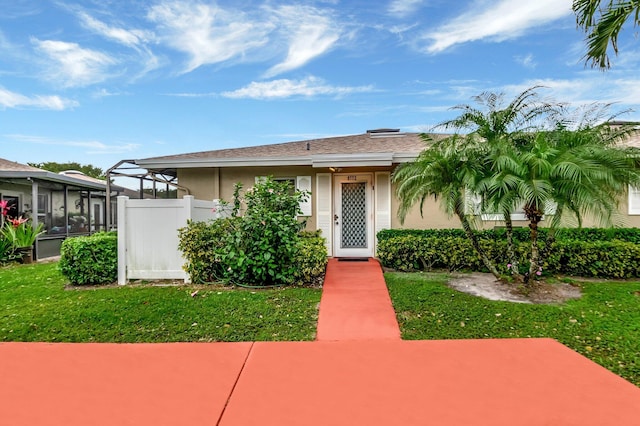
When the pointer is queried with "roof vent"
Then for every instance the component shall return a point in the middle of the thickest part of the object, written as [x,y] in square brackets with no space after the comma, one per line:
[384,133]
[376,131]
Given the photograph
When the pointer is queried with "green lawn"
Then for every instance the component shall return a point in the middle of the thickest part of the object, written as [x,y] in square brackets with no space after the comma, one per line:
[34,306]
[604,325]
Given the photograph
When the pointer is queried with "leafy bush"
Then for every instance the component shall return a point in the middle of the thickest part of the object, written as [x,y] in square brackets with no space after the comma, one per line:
[631,235]
[90,260]
[311,260]
[199,243]
[611,259]
[261,248]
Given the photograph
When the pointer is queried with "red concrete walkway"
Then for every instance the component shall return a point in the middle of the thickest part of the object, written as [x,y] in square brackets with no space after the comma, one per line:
[355,303]
[372,382]
[359,373]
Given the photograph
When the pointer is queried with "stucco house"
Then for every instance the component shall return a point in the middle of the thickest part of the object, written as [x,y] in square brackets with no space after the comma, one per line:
[348,176]
[67,203]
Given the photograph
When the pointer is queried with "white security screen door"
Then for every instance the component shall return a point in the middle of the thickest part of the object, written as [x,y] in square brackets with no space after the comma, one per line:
[353,215]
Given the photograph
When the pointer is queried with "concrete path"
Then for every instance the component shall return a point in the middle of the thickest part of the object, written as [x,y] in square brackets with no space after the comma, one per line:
[355,303]
[373,382]
[359,372]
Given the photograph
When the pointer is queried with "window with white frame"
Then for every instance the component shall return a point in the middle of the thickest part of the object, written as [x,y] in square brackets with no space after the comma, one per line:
[634,200]
[298,183]
[473,205]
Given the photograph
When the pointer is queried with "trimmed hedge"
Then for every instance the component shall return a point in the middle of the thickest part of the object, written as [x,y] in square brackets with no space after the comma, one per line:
[631,235]
[90,260]
[606,259]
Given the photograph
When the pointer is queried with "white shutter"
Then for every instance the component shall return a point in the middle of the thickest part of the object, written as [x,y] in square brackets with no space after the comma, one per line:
[324,221]
[303,183]
[634,200]
[382,201]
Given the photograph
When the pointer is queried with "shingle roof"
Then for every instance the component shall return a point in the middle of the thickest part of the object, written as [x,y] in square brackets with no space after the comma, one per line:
[409,143]
[13,170]
[16,167]
[397,144]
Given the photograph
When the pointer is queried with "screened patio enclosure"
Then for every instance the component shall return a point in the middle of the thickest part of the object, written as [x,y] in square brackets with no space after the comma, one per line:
[67,204]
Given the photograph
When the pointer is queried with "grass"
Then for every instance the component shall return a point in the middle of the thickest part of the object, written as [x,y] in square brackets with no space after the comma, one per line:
[604,325]
[34,306]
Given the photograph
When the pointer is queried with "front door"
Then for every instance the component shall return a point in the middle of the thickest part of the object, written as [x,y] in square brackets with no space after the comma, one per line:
[353,215]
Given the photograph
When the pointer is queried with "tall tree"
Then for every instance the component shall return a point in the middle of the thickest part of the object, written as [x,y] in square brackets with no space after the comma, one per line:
[583,171]
[87,169]
[502,127]
[602,21]
[514,158]
[448,170]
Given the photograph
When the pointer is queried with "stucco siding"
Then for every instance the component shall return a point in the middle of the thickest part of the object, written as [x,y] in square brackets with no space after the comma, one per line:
[212,183]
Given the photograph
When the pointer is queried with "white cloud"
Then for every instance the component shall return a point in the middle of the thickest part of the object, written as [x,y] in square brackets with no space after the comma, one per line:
[495,21]
[310,33]
[89,147]
[71,65]
[9,99]
[207,33]
[131,38]
[135,39]
[526,61]
[284,88]
[584,90]
[403,8]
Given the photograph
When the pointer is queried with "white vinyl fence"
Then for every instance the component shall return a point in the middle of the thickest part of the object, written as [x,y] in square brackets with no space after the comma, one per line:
[148,235]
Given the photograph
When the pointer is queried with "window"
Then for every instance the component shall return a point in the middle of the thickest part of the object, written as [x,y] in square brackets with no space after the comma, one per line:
[300,183]
[634,200]
[291,183]
[473,206]
[13,206]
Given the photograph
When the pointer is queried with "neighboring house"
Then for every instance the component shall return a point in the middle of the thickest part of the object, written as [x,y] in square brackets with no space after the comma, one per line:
[348,176]
[67,203]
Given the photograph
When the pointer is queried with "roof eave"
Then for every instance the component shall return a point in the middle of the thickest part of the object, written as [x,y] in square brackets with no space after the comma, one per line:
[316,161]
[51,177]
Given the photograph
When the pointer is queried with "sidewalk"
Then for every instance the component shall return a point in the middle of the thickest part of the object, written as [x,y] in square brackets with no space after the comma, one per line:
[355,303]
[506,382]
[358,372]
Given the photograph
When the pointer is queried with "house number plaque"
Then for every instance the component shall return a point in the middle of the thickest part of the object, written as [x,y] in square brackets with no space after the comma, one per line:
[352,177]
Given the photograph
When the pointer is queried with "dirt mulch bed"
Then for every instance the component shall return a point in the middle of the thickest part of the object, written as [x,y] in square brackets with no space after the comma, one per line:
[485,285]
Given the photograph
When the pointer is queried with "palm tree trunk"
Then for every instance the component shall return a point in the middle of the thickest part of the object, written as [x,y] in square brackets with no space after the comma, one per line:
[466,226]
[511,252]
[534,215]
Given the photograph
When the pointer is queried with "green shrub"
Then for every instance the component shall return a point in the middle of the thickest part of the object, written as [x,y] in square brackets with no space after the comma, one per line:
[261,248]
[199,242]
[631,235]
[90,260]
[609,259]
[311,260]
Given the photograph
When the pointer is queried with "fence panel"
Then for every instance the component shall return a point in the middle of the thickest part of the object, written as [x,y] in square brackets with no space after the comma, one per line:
[148,236]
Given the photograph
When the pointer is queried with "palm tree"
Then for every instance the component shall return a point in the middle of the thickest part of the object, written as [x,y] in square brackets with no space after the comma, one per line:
[510,159]
[503,129]
[582,171]
[447,169]
[602,21]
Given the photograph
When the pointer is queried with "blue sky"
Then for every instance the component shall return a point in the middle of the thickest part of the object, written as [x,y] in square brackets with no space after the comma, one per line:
[98,81]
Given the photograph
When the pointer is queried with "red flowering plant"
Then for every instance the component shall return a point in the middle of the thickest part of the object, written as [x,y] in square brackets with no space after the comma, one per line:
[18,231]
